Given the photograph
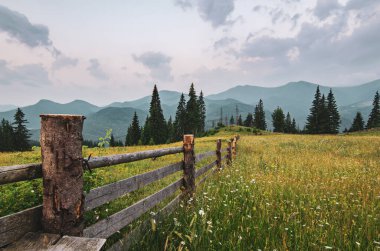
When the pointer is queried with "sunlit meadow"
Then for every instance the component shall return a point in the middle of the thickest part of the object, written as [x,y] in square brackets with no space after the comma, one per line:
[283,192]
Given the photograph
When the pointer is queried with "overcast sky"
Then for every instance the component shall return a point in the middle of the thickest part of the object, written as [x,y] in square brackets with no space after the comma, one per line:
[106,51]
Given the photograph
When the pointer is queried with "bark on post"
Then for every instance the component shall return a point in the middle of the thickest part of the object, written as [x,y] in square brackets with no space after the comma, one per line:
[61,149]
[219,154]
[229,152]
[189,166]
[234,147]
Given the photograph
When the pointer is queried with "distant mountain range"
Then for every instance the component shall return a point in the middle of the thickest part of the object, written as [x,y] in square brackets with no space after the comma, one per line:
[295,97]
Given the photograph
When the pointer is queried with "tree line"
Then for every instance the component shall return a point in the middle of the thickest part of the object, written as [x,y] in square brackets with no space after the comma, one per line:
[14,136]
[190,118]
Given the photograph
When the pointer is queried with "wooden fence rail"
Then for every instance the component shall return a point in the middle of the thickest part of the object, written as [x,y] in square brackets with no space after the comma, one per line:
[59,168]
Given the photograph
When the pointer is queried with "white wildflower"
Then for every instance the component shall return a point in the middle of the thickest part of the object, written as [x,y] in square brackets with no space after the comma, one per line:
[201,212]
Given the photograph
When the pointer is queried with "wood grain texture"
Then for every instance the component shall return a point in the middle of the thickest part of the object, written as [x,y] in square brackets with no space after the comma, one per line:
[204,169]
[70,243]
[10,174]
[117,221]
[189,166]
[14,226]
[133,236]
[107,193]
[130,157]
[219,153]
[34,241]
[202,156]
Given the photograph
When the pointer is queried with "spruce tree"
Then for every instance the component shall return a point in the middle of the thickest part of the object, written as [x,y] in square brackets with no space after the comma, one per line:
[145,134]
[180,119]
[20,132]
[157,124]
[324,121]
[232,120]
[333,114]
[374,116]
[7,142]
[170,127]
[358,123]
[259,117]
[288,124]
[278,120]
[313,123]
[240,121]
[248,122]
[293,128]
[134,132]
[193,113]
[112,141]
[202,113]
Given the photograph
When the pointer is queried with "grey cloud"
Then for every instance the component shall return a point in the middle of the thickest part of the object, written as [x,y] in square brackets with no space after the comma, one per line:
[29,74]
[96,70]
[19,27]
[158,64]
[325,8]
[184,4]
[62,61]
[216,11]
[223,42]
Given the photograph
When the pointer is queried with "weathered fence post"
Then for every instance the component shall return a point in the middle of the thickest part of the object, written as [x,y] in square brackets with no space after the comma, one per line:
[234,147]
[229,152]
[61,149]
[219,154]
[189,167]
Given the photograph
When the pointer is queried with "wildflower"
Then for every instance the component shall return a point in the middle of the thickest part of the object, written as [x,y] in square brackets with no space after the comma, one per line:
[209,222]
[328,247]
[183,243]
[32,191]
[240,238]
[152,213]
[357,243]
[201,212]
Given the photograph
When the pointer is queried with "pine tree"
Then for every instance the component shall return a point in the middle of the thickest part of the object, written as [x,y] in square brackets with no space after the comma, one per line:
[232,120]
[374,116]
[193,113]
[145,134]
[21,133]
[112,141]
[259,117]
[293,128]
[157,124]
[180,119]
[324,122]
[134,132]
[240,121]
[202,113]
[333,114]
[313,123]
[248,122]
[170,127]
[7,142]
[288,124]
[278,120]
[358,123]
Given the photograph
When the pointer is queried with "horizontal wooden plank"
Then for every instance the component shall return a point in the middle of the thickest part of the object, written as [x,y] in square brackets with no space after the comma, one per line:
[204,178]
[130,238]
[115,222]
[201,156]
[204,169]
[107,193]
[71,243]
[14,226]
[9,174]
[130,157]
[34,241]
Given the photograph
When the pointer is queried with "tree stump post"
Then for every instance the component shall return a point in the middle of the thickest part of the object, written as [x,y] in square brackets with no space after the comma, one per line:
[189,166]
[61,149]
[219,154]
[229,152]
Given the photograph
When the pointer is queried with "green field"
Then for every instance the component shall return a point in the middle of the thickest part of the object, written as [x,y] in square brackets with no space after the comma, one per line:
[283,192]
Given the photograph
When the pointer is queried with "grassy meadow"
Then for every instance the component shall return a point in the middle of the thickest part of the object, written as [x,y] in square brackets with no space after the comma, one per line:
[283,192]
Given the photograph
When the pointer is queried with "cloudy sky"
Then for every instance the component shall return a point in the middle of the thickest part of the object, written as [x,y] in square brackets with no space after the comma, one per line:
[106,51]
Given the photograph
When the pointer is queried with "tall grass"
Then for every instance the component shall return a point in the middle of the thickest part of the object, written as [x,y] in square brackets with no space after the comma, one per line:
[284,193]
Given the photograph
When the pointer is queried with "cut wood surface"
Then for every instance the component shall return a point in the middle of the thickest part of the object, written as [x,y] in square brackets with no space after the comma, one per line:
[115,222]
[14,226]
[107,193]
[130,157]
[70,243]
[10,174]
[202,156]
[204,169]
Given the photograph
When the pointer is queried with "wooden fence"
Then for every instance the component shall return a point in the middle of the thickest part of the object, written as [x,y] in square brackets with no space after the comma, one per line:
[64,201]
